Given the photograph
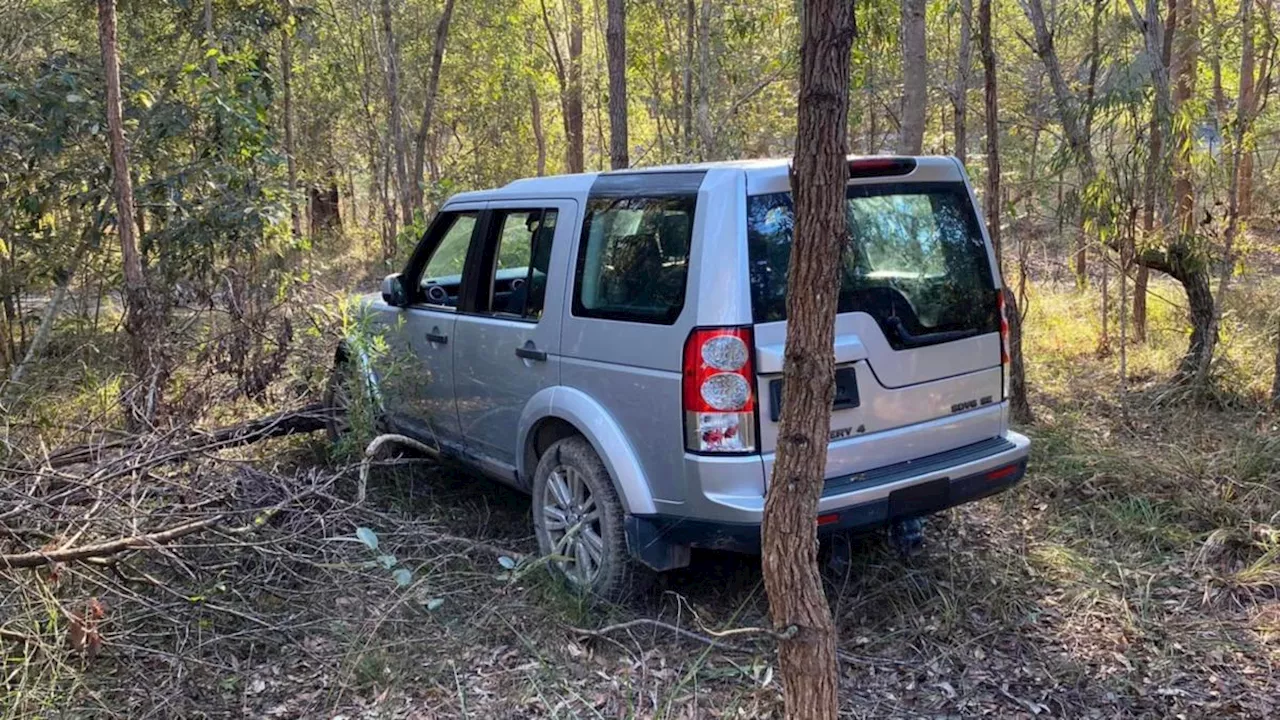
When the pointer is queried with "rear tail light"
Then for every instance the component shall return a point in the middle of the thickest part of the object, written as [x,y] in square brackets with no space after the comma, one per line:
[719,391]
[1004,340]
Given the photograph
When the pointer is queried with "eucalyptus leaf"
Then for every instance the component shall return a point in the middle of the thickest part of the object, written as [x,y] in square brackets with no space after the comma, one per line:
[368,537]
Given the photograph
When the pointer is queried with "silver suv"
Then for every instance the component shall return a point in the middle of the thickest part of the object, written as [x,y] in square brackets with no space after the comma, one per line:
[613,344]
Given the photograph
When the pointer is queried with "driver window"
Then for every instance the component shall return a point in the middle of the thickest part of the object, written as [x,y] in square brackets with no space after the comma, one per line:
[442,277]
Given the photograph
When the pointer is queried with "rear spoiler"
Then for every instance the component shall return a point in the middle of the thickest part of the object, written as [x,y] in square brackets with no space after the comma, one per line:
[880,167]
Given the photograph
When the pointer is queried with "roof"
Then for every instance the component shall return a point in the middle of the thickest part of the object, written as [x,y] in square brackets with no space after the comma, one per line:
[763,175]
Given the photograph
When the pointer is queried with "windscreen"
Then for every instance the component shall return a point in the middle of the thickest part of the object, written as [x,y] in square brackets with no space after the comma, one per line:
[914,259]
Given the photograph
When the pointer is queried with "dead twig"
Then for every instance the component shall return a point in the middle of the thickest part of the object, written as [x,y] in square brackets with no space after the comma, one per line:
[714,638]
[38,558]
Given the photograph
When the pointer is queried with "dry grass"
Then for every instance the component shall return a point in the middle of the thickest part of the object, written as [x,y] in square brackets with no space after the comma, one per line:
[1133,574]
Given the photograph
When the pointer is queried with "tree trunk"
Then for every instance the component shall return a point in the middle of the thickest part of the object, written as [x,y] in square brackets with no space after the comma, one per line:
[1244,101]
[573,95]
[1157,162]
[915,78]
[210,40]
[991,117]
[1141,277]
[429,106]
[1019,405]
[964,64]
[690,39]
[1184,264]
[1275,380]
[142,394]
[326,214]
[706,140]
[286,82]
[394,118]
[616,40]
[797,605]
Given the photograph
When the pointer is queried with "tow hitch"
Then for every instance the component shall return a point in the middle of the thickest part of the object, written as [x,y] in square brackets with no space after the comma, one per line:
[907,535]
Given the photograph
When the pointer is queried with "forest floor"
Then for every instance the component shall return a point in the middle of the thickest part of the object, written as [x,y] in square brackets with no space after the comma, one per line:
[1134,573]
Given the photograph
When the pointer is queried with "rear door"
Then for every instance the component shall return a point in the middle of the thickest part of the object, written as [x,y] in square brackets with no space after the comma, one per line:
[917,343]
[506,348]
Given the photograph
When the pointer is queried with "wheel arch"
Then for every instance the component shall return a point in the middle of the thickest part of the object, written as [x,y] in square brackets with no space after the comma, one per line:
[558,412]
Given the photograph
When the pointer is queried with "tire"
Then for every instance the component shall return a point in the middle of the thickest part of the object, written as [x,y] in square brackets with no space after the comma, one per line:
[601,564]
[337,400]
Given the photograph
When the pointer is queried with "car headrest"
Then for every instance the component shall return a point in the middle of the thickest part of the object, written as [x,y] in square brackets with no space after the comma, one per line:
[673,234]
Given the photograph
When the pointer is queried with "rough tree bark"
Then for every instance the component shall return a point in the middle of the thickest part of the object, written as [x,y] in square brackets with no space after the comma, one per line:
[429,106]
[1019,405]
[286,82]
[964,65]
[141,322]
[616,40]
[394,116]
[573,95]
[797,605]
[690,39]
[706,140]
[915,78]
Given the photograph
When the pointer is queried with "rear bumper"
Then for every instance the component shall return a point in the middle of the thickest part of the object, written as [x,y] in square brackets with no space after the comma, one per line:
[859,501]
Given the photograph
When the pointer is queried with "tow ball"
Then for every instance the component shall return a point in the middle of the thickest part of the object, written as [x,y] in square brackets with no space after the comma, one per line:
[907,535]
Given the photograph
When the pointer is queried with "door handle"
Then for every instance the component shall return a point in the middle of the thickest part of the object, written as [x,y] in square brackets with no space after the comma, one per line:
[531,352]
[437,338]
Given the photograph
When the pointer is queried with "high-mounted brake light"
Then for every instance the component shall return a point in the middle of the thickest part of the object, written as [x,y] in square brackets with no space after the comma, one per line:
[718,391]
[880,166]
[1004,340]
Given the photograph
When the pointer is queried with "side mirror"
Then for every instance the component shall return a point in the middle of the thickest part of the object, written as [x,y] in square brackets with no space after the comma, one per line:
[393,292]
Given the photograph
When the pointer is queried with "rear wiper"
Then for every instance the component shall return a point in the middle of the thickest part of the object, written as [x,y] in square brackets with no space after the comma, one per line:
[914,341]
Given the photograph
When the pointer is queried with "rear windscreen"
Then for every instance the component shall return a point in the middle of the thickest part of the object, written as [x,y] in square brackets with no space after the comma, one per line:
[914,259]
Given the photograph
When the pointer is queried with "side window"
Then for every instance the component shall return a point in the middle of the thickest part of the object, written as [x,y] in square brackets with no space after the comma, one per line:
[441,256]
[633,261]
[520,261]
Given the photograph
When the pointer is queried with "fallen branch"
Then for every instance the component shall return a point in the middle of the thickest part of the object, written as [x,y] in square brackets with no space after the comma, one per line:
[713,638]
[38,558]
[372,450]
[292,422]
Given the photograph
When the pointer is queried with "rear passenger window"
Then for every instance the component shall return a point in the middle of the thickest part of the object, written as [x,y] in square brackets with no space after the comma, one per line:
[633,261]
[518,282]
